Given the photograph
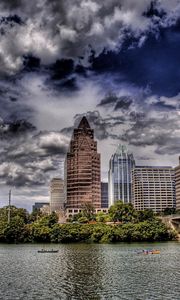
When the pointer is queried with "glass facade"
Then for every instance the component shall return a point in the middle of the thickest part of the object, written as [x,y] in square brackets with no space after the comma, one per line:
[120,176]
[104,194]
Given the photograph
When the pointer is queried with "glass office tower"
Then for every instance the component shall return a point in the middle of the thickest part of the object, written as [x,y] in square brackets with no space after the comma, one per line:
[120,176]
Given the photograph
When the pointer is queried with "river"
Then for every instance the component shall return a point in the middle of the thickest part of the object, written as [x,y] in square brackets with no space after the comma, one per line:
[90,271]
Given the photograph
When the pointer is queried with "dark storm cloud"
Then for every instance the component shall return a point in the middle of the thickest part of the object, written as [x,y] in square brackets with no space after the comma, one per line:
[102,126]
[31,63]
[12,20]
[111,99]
[161,131]
[169,149]
[12,4]
[154,64]
[96,121]
[28,160]
[12,129]
[63,75]
[123,102]
[52,30]
[62,69]
[13,102]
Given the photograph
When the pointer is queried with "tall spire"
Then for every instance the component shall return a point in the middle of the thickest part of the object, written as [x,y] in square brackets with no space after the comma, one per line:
[84,124]
[121,149]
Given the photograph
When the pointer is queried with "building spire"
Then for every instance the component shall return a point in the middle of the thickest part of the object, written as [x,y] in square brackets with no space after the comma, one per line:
[121,149]
[84,124]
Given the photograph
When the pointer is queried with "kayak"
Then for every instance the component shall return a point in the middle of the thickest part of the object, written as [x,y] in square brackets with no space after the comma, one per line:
[145,252]
[48,251]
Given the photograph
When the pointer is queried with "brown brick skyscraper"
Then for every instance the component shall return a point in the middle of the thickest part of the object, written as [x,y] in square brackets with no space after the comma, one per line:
[83,168]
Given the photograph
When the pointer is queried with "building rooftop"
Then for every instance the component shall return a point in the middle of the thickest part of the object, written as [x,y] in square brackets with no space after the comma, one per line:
[84,124]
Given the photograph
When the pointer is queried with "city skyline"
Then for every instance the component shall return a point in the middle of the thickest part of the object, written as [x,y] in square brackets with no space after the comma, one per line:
[114,62]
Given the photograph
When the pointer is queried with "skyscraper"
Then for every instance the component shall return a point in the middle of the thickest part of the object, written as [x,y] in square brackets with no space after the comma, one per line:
[119,176]
[177,184]
[153,188]
[57,199]
[104,195]
[82,174]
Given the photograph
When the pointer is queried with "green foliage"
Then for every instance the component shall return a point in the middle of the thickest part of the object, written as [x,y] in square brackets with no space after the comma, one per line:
[102,217]
[135,226]
[67,233]
[88,211]
[83,220]
[143,215]
[15,231]
[35,215]
[14,211]
[120,212]
[169,211]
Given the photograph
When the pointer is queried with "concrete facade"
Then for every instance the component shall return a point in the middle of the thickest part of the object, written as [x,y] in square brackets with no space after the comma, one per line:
[153,188]
[82,169]
[73,211]
[57,199]
[177,184]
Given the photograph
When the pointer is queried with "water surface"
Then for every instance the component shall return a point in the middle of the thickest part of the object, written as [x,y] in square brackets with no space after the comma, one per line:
[90,271]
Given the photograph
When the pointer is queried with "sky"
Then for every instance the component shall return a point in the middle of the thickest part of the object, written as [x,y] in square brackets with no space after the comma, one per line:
[114,61]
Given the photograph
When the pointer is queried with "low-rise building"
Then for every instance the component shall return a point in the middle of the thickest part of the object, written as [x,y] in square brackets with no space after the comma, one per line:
[73,211]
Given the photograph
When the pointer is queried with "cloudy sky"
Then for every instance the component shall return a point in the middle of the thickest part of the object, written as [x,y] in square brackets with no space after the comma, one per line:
[116,61]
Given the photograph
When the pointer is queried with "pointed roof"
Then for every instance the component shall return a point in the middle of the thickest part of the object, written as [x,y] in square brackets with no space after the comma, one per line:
[84,124]
[121,149]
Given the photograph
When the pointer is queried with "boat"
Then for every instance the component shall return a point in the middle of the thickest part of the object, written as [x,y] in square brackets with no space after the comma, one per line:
[153,251]
[149,251]
[48,251]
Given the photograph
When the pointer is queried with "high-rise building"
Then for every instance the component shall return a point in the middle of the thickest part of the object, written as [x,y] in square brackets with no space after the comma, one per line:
[104,194]
[82,169]
[120,176]
[177,184]
[153,188]
[57,199]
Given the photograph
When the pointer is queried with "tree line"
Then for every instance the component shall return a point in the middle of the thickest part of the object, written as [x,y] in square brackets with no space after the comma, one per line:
[122,224]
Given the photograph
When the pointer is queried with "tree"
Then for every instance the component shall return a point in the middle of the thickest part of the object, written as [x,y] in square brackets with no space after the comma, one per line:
[101,217]
[143,215]
[35,215]
[122,212]
[21,212]
[88,211]
[15,230]
[169,211]
[83,220]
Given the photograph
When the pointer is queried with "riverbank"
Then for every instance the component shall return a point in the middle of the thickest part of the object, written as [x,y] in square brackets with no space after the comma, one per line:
[125,224]
[97,233]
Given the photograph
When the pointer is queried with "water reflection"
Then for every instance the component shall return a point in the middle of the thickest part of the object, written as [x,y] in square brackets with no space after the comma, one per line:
[84,271]
[89,272]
